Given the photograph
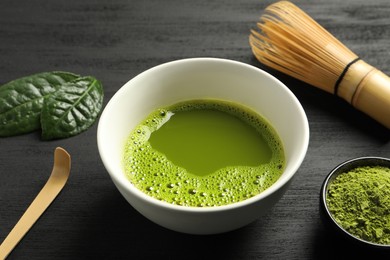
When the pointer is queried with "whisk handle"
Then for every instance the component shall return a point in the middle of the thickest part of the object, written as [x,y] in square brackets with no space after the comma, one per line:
[372,96]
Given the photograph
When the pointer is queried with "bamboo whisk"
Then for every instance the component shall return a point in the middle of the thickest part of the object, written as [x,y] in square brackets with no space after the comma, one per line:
[289,40]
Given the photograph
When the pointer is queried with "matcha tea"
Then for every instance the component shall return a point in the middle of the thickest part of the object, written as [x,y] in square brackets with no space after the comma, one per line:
[203,153]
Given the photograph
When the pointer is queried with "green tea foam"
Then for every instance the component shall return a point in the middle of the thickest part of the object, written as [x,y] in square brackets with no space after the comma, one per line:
[203,153]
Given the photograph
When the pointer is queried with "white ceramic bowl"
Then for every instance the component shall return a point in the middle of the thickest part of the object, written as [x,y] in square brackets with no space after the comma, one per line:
[198,78]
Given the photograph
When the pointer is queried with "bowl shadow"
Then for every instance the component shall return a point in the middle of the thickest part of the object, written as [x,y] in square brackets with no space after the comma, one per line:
[120,232]
[328,245]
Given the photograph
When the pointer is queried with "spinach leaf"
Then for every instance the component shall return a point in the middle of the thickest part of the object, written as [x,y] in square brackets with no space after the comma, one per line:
[72,109]
[21,100]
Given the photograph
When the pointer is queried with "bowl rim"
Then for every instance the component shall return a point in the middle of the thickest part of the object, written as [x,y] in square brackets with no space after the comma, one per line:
[340,169]
[305,132]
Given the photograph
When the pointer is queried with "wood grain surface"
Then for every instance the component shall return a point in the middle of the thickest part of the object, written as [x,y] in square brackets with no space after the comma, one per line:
[116,40]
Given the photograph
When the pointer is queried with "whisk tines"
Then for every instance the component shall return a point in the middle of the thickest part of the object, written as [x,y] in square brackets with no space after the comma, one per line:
[289,40]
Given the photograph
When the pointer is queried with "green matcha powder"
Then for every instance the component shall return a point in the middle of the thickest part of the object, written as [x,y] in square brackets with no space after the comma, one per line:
[359,201]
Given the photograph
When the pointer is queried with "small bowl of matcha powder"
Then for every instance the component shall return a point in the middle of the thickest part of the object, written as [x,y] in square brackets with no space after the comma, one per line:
[355,198]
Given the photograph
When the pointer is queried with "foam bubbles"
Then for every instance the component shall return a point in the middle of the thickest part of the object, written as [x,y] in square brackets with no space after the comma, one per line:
[150,171]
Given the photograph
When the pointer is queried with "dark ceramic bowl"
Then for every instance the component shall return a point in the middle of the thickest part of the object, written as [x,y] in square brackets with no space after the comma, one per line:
[326,215]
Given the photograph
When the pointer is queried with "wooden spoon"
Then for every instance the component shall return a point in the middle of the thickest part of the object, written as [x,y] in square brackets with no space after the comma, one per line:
[45,197]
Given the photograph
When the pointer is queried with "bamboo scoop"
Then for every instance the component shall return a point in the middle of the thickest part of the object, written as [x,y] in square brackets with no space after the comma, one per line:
[289,40]
[49,192]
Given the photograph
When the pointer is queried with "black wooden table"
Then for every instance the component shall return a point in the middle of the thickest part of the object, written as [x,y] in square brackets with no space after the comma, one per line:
[116,40]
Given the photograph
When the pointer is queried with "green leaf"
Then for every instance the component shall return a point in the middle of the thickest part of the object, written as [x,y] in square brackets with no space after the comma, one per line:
[21,100]
[72,109]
